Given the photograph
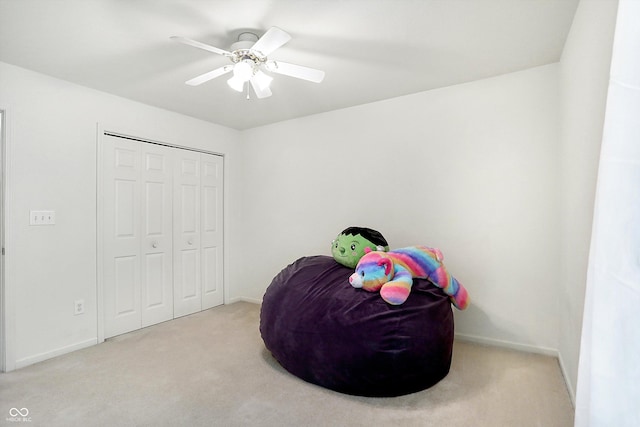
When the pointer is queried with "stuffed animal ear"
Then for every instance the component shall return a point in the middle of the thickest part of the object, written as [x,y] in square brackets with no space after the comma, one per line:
[367,250]
[386,262]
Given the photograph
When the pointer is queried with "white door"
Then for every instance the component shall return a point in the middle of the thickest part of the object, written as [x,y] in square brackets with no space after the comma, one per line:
[211,190]
[197,231]
[187,293]
[121,267]
[157,255]
[137,200]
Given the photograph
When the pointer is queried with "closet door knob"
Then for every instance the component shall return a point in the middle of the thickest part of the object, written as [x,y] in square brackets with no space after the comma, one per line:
[190,242]
[154,244]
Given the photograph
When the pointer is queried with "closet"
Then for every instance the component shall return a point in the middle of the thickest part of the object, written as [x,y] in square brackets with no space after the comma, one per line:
[161,235]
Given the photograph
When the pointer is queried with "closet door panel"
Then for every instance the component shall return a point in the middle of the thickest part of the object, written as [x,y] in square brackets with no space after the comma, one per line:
[186,234]
[212,237]
[121,236]
[125,286]
[189,279]
[154,291]
[157,206]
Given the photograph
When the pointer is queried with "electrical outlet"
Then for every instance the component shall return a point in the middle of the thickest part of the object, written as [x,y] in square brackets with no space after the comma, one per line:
[78,307]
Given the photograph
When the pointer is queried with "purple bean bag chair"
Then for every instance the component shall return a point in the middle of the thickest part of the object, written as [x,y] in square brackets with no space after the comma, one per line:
[324,331]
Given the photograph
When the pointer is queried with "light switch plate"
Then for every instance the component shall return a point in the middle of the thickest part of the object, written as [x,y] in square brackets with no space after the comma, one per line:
[42,217]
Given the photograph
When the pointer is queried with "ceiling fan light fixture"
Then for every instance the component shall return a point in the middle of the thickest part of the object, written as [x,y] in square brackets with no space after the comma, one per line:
[243,70]
[262,80]
[236,83]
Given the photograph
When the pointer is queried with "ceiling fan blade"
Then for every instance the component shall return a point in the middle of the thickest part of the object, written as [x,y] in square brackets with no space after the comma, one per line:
[260,93]
[199,45]
[209,76]
[271,40]
[297,71]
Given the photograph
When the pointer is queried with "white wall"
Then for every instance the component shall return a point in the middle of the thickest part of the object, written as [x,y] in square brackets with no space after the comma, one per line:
[584,77]
[52,165]
[471,169]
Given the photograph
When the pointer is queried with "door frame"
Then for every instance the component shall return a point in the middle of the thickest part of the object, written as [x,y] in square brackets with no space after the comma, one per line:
[7,306]
[101,131]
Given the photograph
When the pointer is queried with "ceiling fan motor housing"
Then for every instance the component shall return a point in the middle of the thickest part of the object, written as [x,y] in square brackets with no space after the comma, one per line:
[241,49]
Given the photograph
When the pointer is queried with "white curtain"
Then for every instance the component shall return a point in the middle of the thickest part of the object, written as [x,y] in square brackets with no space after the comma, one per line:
[608,392]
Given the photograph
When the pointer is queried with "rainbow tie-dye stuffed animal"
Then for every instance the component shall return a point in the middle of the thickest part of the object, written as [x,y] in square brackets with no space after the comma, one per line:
[392,274]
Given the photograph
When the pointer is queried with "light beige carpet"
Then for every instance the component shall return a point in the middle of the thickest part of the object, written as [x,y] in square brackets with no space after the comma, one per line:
[211,369]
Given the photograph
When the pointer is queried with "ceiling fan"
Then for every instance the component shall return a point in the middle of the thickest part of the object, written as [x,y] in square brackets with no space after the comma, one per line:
[249,57]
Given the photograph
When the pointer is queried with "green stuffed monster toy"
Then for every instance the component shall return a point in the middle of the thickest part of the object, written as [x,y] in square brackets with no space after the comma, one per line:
[350,245]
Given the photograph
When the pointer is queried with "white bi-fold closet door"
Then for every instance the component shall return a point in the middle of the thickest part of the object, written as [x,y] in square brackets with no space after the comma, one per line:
[162,233]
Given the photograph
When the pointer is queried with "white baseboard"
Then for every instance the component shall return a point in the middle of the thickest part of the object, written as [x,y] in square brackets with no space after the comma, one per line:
[244,299]
[565,374]
[30,360]
[508,344]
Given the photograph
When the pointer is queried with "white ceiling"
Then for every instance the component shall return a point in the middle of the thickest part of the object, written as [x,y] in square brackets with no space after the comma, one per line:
[369,49]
